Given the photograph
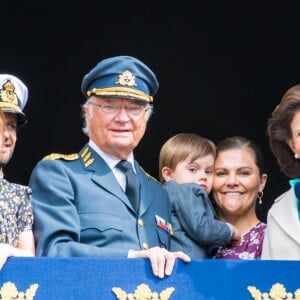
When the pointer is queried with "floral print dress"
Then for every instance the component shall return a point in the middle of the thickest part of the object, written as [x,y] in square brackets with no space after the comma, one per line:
[16,214]
[250,246]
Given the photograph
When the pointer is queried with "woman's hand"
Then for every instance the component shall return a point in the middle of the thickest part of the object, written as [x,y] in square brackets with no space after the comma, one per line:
[8,251]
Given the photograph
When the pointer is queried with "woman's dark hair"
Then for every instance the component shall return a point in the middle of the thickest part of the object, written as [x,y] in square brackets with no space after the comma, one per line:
[279,132]
[240,142]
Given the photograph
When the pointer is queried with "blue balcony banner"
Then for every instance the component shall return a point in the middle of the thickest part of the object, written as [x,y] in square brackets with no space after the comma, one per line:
[99,278]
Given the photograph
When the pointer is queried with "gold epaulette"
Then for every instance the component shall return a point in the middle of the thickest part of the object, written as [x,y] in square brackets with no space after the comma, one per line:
[53,156]
[149,176]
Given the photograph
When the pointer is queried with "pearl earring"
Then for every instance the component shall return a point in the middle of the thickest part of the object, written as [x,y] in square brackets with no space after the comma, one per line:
[296,156]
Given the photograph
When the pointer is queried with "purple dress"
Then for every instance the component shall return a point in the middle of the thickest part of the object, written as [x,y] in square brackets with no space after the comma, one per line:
[249,247]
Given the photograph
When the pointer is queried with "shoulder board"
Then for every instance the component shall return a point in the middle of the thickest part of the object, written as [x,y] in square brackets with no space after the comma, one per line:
[149,176]
[53,156]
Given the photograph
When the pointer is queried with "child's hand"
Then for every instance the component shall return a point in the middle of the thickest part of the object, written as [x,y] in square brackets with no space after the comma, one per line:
[236,237]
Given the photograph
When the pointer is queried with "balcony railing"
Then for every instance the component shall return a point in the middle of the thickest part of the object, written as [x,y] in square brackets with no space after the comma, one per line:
[101,279]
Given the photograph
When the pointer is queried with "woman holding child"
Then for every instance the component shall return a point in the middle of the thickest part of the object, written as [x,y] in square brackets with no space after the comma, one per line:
[238,184]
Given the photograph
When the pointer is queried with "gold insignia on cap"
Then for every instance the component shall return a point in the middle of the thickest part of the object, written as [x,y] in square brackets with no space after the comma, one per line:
[127,78]
[53,156]
[7,93]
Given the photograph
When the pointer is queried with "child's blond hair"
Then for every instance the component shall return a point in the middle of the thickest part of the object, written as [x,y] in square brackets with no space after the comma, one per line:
[181,146]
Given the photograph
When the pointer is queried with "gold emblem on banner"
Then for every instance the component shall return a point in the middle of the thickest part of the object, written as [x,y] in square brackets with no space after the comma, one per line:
[277,292]
[9,291]
[143,292]
[126,78]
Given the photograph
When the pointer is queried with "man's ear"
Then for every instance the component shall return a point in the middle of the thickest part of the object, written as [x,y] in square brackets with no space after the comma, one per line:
[166,173]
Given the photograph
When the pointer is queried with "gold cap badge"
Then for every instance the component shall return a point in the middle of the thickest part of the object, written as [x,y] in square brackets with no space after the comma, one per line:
[13,96]
[127,78]
[7,93]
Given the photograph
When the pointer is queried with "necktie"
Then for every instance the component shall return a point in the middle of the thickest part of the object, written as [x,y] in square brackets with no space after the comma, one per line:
[132,183]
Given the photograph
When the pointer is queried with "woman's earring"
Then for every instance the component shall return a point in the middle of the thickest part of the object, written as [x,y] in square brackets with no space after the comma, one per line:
[296,156]
[259,196]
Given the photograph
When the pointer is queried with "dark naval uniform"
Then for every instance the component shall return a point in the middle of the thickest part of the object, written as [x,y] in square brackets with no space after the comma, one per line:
[81,210]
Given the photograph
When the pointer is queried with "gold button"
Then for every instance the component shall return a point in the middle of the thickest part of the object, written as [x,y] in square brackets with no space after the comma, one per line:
[140,222]
[145,246]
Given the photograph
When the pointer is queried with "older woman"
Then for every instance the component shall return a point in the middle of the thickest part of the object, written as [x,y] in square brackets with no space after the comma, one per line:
[282,240]
[238,183]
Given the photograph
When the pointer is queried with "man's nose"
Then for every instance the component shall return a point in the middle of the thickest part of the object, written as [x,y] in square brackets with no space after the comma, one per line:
[123,113]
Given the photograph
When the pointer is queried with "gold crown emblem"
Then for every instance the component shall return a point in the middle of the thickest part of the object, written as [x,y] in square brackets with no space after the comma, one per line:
[127,78]
[7,93]
[9,291]
[9,86]
[143,292]
[277,292]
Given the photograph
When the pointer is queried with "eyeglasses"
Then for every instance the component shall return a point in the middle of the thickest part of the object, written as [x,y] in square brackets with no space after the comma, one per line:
[132,110]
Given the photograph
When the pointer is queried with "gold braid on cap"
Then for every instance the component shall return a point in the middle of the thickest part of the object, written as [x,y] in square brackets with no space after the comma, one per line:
[120,92]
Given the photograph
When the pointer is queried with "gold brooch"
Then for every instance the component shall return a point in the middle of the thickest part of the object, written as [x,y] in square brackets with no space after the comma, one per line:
[143,292]
[7,93]
[277,292]
[127,78]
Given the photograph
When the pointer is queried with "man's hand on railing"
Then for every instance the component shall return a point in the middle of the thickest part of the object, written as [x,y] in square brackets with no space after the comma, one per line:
[162,261]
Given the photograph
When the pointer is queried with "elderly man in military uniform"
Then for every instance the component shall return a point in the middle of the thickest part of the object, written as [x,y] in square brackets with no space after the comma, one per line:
[100,202]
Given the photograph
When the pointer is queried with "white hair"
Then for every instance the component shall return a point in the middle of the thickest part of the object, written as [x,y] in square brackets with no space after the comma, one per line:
[85,128]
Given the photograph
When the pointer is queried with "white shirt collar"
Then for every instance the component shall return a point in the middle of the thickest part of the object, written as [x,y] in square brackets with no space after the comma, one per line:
[110,160]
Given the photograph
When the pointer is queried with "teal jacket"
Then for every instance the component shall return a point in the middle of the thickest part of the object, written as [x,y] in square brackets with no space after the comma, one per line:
[81,210]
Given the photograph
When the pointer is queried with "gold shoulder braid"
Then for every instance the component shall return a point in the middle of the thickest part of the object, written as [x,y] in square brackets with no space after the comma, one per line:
[148,175]
[53,156]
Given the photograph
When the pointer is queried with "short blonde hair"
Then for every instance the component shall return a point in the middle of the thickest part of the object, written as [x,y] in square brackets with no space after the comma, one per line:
[182,146]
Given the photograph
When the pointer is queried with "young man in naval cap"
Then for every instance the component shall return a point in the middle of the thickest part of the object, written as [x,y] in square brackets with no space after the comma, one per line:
[16,237]
[13,98]
[83,202]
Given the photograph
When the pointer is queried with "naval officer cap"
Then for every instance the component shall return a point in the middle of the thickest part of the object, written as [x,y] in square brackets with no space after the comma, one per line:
[13,96]
[121,77]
